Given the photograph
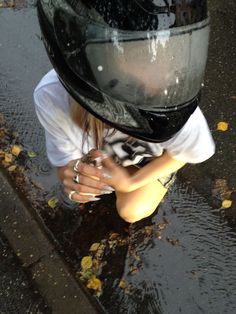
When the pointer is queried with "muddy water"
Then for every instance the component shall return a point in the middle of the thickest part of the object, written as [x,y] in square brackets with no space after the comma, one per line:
[180,260]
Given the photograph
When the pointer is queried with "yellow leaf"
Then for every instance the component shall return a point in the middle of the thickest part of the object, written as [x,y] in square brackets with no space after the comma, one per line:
[94,247]
[12,168]
[15,150]
[222,126]
[5,164]
[122,284]
[52,202]
[2,153]
[94,283]
[8,157]
[86,263]
[31,154]
[226,203]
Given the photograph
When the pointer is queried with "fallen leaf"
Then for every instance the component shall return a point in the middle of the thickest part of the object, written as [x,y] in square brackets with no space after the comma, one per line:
[15,150]
[222,126]
[52,202]
[86,275]
[122,284]
[31,154]
[94,283]
[8,157]
[86,263]
[226,203]
[12,168]
[94,247]
[5,164]
[2,134]
[221,187]
[114,236]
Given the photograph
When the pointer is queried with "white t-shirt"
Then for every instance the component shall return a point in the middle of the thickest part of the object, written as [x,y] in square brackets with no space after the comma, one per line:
[64,139]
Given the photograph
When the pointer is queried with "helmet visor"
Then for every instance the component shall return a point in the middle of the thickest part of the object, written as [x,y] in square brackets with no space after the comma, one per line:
[150,70]
[153,70]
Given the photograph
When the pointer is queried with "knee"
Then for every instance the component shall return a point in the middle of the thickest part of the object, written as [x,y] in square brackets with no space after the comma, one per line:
[132,214]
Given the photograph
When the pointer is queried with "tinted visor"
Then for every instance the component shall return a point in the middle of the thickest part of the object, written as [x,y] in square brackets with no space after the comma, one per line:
[150,70]
[154,70]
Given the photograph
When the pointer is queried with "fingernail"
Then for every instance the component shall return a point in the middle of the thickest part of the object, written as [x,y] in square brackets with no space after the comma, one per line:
[106,192]
[98,161]
[94,199]
[108,188]
[106,175]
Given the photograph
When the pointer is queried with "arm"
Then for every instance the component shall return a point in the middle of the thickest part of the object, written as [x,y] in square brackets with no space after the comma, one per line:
[122,181]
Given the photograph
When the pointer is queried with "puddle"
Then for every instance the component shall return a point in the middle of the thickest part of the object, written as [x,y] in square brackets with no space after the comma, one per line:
[180,260]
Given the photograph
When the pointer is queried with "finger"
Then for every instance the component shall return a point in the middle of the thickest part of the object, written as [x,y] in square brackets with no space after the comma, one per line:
[76,197]
[90,171]
[95,153]
[109,164]
[83,189]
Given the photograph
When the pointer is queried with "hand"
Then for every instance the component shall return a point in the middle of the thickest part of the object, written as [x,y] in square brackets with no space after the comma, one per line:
[114,175]
[89,185]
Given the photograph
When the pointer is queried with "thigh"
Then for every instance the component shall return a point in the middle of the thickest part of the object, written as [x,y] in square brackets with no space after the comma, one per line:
[141,203]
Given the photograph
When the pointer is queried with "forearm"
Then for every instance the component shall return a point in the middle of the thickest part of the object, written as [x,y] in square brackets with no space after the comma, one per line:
[159,167]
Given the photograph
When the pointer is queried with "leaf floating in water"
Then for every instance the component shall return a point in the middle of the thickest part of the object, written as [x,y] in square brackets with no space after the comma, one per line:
[94,283]
[122,284]
[31,154]
[222,126]
[15,150]
[226,203]
[12,168]
[86,263]
[94,247]
[52,202]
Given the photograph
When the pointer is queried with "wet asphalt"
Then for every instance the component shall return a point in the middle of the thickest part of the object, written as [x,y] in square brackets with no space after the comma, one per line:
[199,274]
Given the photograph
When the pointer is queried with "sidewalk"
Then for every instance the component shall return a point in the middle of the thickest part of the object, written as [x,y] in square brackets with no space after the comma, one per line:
[40,265]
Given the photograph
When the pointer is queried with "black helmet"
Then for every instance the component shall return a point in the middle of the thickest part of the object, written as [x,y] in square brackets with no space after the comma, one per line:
[137,65]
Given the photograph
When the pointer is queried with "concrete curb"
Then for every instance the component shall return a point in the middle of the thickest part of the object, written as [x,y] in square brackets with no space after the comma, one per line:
[48,271]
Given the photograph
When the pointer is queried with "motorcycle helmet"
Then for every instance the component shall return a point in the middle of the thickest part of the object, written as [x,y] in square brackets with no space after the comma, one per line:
[137,65]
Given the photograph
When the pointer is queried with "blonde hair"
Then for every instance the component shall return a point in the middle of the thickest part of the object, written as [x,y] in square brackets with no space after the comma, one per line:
[90,125]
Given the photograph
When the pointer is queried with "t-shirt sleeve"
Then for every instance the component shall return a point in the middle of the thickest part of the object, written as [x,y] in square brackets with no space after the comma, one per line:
[59,146]
[194,142]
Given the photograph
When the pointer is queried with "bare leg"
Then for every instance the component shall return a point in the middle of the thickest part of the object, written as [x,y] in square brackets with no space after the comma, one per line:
[141,203]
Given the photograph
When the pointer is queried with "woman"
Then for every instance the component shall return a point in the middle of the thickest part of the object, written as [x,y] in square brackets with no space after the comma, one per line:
[127,80]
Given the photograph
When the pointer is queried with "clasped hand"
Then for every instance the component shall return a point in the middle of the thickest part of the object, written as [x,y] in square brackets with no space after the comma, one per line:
[94,179]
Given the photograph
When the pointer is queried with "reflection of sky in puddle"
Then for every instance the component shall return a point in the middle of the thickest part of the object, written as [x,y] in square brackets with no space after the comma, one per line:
[184,277]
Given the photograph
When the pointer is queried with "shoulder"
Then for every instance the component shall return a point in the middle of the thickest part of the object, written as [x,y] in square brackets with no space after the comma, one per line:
[50,94]
[194,142]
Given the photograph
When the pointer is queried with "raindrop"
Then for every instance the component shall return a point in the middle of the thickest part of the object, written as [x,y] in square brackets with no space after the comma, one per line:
[166,92]
[177,80]
[100,68]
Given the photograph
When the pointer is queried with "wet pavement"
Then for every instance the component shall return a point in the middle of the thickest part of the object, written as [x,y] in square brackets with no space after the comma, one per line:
[17,295]
[180,260]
